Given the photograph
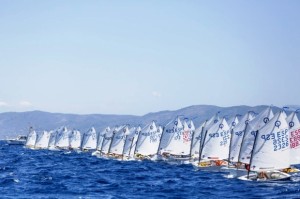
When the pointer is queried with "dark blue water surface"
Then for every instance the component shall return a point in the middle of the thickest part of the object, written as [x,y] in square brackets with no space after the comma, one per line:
[29,173]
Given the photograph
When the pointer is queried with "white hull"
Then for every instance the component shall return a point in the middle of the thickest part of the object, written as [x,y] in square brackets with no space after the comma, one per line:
[234,172]
[269,176]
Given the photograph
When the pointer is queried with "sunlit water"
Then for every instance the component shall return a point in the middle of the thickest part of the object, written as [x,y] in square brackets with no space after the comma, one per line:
[29,173]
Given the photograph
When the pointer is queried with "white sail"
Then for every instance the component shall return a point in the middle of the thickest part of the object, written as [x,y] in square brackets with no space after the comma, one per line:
[207,126]
[176,139]
[200,132]
[237,136]
[51,144]
[248,138]
[89,140]
[101,138]
[294,133]
[62,138]
[216,142]
[75,139]
[148,140]
[107,140]
[196,141]
[271,150]
[232,122]
[130,143]
[118,141]
[42,140]
[31,138]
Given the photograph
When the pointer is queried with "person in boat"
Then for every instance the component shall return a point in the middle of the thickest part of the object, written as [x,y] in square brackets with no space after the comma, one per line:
[247,167]
[262,175]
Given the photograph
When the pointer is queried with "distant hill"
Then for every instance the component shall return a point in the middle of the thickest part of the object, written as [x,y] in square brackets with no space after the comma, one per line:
[15,123]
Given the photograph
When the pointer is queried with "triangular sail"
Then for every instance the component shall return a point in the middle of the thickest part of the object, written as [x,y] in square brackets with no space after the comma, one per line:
[101,138]
[294,133]
[31,138]
[237,136]
[62,138]
[148,141]
[195,144]
[89,140]
[130,141]
[176,139]
[51,144]
[271,150]
[207,126]
[108,137]
[42,140]
[248,138]
[134,141]
[75,139]
[216,142]
[117,144]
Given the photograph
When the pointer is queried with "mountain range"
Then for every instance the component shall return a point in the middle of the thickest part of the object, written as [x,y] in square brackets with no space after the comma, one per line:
[18,123]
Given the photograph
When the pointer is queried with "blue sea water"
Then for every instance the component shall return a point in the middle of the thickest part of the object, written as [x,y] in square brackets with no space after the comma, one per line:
[26,173]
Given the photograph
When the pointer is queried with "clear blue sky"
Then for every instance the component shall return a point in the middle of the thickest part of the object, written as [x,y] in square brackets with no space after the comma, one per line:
[135,57]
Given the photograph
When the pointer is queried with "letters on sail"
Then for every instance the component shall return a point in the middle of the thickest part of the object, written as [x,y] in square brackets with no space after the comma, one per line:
[216,142]
[294,133]
[249,135]
[237,136]
[271,150]
[148,140]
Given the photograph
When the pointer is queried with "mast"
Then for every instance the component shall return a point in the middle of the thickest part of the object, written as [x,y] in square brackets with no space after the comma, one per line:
[252,153]
[231,140]
[245,129]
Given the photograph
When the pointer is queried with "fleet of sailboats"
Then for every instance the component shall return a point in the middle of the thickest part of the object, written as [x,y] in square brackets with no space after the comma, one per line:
[254,146]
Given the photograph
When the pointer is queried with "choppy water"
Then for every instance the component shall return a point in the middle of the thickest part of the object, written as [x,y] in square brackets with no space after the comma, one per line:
[26,173]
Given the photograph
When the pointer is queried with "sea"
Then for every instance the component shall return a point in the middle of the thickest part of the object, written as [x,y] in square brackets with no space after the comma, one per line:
[26,173]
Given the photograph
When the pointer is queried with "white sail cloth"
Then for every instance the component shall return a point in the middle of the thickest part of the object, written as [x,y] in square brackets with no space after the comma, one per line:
[148,140]
[31,138]
[294,133]
[237,137]
[216,142]
[271,150]
[248,139]
[89,140]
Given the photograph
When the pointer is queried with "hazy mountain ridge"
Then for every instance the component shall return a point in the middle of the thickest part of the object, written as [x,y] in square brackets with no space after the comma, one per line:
[15,123]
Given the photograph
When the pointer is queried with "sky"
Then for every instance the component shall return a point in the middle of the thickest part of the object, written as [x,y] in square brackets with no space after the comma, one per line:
[135,57]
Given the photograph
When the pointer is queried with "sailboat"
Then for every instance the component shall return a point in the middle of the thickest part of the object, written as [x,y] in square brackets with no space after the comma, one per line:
[294,135]
[31,139]
[100,141]
[108,137]
[270,151]
[176,142]
[197,134]
[249,135]
[148,142]
[215,147]
[130,143]
[75,140]
[42,140]
[235,168]
[51,144]
[89,140]
[62,139]
[117,144]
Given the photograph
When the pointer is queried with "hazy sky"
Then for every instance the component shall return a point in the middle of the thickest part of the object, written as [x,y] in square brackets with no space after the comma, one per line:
[135,57]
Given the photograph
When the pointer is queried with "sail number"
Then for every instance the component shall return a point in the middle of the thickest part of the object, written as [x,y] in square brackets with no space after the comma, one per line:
[295,138]
[223,134]
[280,139]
